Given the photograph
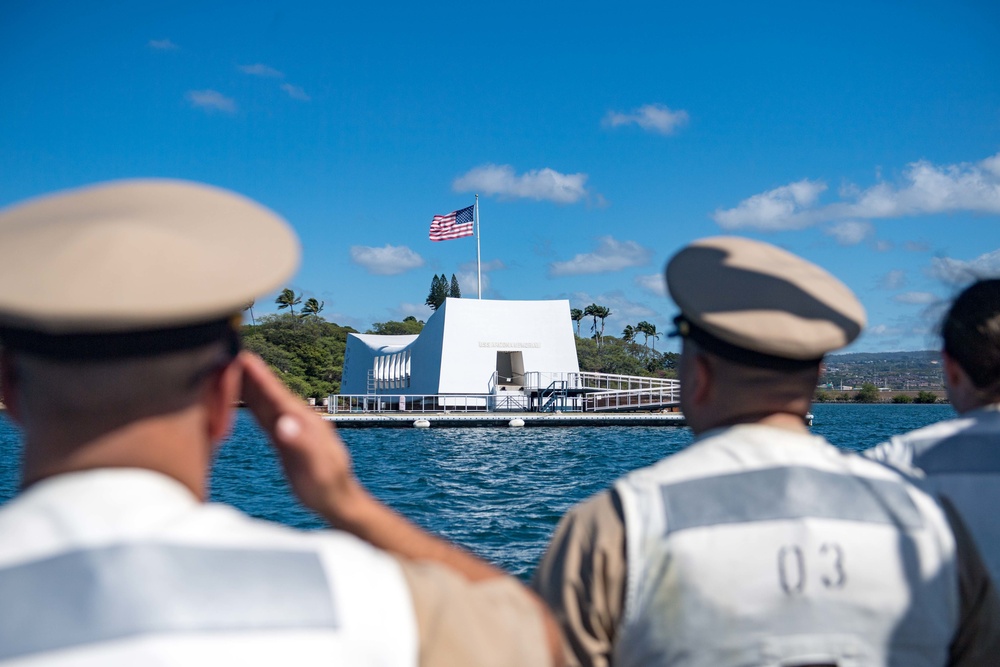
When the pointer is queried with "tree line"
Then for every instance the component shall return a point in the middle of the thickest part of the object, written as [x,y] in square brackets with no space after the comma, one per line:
[625,355]
[869,393]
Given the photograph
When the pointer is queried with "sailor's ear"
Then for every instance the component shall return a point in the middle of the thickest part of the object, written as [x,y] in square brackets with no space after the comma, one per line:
[223,392]
[9,386]
[704,373]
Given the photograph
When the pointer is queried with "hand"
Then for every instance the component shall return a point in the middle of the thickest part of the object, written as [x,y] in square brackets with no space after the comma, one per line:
[315,460]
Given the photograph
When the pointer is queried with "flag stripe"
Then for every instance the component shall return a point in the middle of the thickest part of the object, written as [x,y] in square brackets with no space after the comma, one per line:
[454,225]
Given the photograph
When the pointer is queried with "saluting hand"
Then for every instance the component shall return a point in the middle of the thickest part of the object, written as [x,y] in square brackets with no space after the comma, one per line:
[314,457]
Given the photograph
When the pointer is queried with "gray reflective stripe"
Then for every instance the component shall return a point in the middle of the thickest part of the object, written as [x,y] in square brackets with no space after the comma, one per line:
[95,595]
[972,454]
[786,493]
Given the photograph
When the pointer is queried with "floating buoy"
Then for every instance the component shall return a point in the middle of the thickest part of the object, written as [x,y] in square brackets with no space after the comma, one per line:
[516,422]
[421,423]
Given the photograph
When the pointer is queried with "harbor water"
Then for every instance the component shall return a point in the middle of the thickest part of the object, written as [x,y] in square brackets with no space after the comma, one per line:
[497,491]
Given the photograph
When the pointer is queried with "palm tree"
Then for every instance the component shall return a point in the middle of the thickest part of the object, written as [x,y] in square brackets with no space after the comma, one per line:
[591,311]
[312,307]
[628,335]
[576,315]
[288,299]
[603,313]
[652,334]
[644,328]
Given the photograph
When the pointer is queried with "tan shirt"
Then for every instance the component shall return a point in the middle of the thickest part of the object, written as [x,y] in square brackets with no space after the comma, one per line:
[582,579]
[461,623]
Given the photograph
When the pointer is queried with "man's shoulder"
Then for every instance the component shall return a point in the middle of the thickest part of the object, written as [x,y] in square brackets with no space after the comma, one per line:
[105,507]
[907,451]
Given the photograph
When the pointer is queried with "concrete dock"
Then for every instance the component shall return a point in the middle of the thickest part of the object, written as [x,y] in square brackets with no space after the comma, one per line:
[501,419]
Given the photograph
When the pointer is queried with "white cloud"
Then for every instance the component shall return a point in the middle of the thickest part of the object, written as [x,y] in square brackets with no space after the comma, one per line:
[884,246]
[386,261]
[295,92]
[780,208]
[916,246]
[468,282]
[260,69]
[958,272]
[211,100]
[921,298]
[883,330]
[926,189]
[162,45]
[653,283]
[653,117]
[468,278]
[610,255]
[850,232]
[537,184]
[893,280]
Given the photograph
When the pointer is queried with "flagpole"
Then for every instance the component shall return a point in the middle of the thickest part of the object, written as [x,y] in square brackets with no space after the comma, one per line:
[479,266]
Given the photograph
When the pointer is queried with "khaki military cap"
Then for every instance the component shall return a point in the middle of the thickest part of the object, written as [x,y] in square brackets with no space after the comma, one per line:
[137,255]
[753,302]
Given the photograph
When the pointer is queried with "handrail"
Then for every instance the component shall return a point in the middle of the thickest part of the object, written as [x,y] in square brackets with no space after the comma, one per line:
[600,391]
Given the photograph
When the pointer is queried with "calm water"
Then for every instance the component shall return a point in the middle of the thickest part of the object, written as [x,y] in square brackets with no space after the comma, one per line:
[498,492]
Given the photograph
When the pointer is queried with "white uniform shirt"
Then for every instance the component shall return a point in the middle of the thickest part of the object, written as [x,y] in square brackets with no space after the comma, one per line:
[126,567]
[960,459]
[761,546]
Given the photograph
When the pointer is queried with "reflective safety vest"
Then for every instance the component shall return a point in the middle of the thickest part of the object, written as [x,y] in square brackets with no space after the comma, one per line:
[960,459]
[125,567]
[758,546]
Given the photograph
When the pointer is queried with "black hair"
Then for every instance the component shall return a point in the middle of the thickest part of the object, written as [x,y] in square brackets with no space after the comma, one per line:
[971,333]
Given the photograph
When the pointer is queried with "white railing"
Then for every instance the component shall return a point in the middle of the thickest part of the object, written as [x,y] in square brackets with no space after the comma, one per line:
[433,403]
[535,390]
[635,399]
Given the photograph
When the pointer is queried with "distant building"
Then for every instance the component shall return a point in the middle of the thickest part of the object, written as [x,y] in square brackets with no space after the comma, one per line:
[467,347]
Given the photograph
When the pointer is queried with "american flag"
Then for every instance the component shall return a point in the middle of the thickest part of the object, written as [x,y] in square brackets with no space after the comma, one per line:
[455,225]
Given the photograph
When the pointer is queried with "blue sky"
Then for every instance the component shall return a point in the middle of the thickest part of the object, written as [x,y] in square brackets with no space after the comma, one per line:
[864,136]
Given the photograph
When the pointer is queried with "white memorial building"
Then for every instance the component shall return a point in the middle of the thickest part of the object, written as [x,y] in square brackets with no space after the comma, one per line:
[493,356]
[472,352]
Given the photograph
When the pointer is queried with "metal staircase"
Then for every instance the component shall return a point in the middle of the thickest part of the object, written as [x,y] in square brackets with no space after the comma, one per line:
[553,396]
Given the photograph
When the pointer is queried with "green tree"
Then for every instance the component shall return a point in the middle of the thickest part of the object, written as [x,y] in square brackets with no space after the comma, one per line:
[649,331]
[925,397]
[598,313]
[867,394]
[288,299]
[670,360]
[628,335]
[821,397]
[576,315]
[602,313]
[312,307]
[454,291]
[902,398]
[438,292]
[591,311]
[306,353]
[408,327]
[611,357]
